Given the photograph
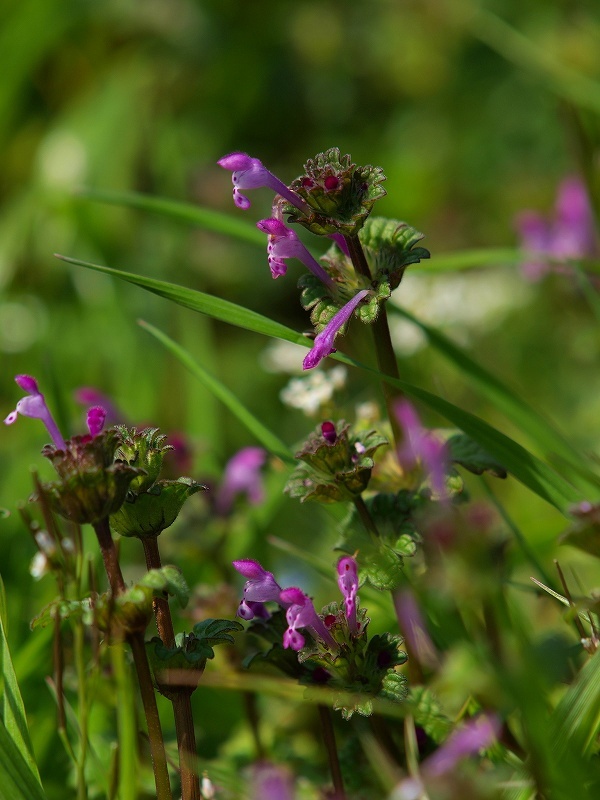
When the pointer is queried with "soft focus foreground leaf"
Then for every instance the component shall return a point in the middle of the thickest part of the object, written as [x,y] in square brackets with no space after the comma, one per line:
[17,781]
[13,709]
[469,454]
[533,473]
[576,720]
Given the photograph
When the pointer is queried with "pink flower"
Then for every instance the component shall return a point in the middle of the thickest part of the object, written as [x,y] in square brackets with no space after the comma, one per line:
[284,243]
[420,446]
[261,587]
[301,614]
[34,405]
[569,234]
[348,582]
[323,344]
[242,476]
[249,173]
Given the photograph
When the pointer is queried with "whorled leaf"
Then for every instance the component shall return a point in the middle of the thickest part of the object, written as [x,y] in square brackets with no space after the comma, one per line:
[167,579]
[389,247]
[337,470]
[340,195]
[428,714]
[382,557]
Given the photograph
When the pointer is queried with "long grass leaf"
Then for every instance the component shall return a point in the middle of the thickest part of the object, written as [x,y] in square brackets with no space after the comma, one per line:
[262,434]
[206,218]
[13,709]
[214,307]
[576,719]
[506,400]
[527,468]
[17,781]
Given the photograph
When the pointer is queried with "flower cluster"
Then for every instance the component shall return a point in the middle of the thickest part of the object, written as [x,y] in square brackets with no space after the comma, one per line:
[568,235]
[332,646]
[333,198]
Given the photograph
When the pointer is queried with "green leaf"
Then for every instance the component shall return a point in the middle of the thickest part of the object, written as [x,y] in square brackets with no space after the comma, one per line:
[470,455]
[217,631]
[506,400]
[17,780]
[13,709]
[168,579]
[427,713]
[214,307]
[206,218]
[262,434]
[576,719]
[527,468]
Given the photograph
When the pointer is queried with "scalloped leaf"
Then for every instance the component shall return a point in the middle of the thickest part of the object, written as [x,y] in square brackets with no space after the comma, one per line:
[167,579]
[428,714]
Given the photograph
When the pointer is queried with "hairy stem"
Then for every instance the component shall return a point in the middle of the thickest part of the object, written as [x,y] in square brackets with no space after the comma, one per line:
[181,697]
[334,762]
[386,358]
[136,641]
[157,746]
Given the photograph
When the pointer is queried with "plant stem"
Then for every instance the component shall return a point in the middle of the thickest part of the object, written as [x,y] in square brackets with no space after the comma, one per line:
[136,641]
[78,652]
[109,556]
[386,358]
[180,697]
[366,518]
[157,747]
[334,763]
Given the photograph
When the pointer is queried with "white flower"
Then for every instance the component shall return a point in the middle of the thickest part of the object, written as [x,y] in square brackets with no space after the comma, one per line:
[314,390]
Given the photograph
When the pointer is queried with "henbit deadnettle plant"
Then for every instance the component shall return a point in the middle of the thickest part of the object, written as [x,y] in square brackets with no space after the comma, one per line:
[332,646]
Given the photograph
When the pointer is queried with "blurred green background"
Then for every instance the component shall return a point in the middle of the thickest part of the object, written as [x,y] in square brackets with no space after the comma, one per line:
[471,121]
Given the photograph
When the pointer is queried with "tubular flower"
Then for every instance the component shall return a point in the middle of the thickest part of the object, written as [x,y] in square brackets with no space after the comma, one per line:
[301,614]
[420,445]
[261,587]
[284,243]
[348,582]
[242,476]
[34,405]
[249,173]
[323,344]
[96,416]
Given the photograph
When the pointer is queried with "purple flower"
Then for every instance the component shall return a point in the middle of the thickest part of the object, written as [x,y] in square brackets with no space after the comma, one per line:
[272,782]
[242,476]
[88,396]
[414,629]
[570,234]
[420,445]
[323,344]
[348,582]
[34,405]
[284,243]
[249,173]
[96,417]
[301,614]
[477,734]
[261,587]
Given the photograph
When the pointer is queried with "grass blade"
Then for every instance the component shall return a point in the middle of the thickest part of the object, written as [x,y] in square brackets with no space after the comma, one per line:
[205,218]
[261,433]
[13,709]
[517,410]
[527,468]
[17,781]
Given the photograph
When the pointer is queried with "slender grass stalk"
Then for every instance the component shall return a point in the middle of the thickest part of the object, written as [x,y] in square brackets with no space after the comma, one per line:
[181,697]
[82,703]
[334,762]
